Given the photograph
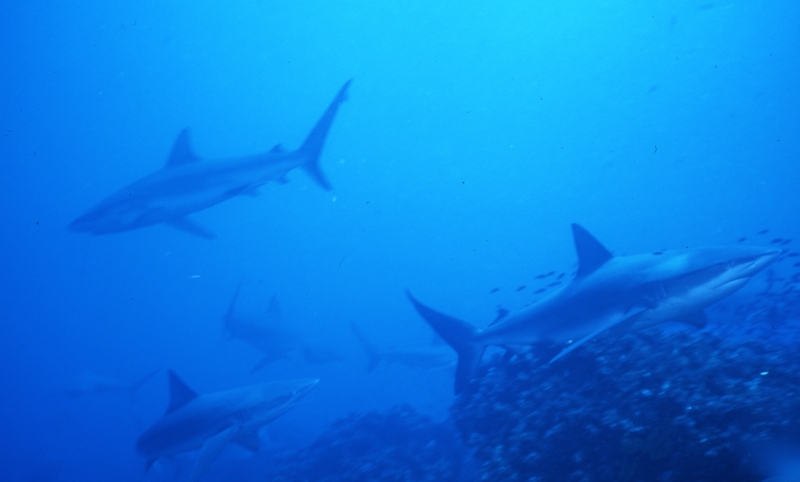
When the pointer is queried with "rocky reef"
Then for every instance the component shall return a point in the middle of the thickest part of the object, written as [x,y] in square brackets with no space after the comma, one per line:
[654,405]
[399,445]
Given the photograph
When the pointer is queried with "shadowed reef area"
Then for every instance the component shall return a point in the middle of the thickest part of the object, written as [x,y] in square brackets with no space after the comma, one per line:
[669,406]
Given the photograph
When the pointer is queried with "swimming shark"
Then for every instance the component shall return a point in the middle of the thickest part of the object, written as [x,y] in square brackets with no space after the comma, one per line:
[209,422]
[90,383]
[186,185]
[430,358]
[271,336]
[608,292]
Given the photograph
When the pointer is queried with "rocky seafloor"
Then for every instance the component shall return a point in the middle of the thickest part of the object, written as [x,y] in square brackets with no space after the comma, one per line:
[399,445]
[722,403]
[653,405]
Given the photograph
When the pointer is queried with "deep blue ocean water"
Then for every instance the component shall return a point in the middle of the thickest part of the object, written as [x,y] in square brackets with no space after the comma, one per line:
[474,135]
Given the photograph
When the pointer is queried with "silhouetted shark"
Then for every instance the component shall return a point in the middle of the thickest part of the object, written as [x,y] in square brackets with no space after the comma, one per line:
[429,358]
[270,335]
[90,383]
[209,422]
[185,185]
[609,292]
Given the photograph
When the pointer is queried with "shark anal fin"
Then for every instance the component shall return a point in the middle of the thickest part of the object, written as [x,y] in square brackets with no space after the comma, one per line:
[182,153]
[697,319]
[188,226]
[248,440]
[179,393]
[212,447]
[591,254]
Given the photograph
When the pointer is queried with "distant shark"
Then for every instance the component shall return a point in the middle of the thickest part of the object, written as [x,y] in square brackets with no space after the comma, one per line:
[185,185]
[89,384]
[607,293]
[270,335]
[431,358]
[209,422]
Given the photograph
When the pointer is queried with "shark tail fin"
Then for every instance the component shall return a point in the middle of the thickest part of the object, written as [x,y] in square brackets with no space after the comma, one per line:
[460,335]
[369,348]
[312,146]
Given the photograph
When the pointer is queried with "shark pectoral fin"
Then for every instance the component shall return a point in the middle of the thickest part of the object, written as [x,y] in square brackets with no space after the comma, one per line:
[247,190]
[248,440]
[282,180]
[615,327]
[698,319]
[188,226]
[212,447]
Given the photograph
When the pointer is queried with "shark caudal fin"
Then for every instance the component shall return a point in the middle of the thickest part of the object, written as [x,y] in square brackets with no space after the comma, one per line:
[312,146]
[372,352]
[458,334]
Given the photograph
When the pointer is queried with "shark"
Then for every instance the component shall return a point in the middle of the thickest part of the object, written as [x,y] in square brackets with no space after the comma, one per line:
[431,358]
[186,185]
[272,337]
[210,422]
[608,294]
[90,383]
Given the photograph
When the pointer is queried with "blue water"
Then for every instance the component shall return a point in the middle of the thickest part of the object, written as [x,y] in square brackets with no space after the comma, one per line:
[475,133]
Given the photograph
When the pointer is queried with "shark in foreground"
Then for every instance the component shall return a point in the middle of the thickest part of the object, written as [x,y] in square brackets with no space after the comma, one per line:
[185,185]
[209,422]
[608,292]
[272,337]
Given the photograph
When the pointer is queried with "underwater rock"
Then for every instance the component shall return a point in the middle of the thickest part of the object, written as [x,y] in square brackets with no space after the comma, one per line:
[651,405]
[399,445]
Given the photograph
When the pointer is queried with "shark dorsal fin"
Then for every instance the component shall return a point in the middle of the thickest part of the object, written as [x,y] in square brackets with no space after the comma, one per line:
[182,153]
[591,254]
[277,149]
[179,393]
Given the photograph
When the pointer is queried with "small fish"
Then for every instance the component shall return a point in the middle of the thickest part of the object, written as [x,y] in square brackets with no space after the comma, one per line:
[561,275]
[554,283]
[658,253]
[777,240]
[786,241]
[551,273]
[763,231]
[541,276]
[494,290]
[522,287]
[741,240]
[792,255]
[797,264]
[542,290]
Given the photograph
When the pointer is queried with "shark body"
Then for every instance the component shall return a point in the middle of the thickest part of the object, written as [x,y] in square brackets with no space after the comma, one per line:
[429,358]
[209,422]
[90,383]
[185,185]
[608,292]
[272,337]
